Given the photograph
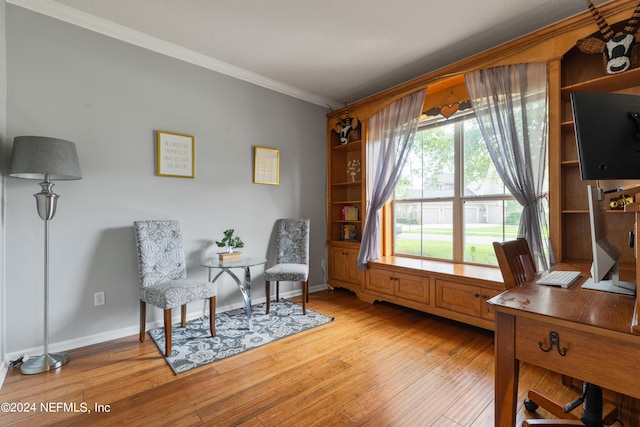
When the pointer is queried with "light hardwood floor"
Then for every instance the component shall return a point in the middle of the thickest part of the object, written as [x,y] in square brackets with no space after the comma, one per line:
[374,365]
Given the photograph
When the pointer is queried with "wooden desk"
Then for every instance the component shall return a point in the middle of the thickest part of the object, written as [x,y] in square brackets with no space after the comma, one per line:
[593,328]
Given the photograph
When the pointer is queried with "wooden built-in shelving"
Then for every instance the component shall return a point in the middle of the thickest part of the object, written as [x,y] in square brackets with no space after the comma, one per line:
[585,73]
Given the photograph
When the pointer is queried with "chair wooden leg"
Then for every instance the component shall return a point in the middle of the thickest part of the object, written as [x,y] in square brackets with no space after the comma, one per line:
[550,405]
[305,296]
[167,332]
[143,320]
[183,315]
[212,315]
[278,291]
[267,291]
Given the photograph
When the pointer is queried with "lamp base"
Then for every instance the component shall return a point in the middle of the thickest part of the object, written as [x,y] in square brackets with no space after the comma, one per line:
[44,363]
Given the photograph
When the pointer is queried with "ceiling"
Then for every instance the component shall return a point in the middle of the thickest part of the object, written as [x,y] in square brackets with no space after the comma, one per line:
[319,51]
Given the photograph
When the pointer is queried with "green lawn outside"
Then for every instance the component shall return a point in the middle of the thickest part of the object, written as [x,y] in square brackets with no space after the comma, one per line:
[481,253]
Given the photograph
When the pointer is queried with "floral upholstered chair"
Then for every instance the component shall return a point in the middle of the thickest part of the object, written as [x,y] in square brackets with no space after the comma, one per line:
[163,276]
[292,258]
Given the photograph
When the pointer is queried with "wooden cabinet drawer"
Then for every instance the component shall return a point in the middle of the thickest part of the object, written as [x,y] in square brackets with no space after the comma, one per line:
[380,281]
[464,298]
[458,297]
[413,288]
[405,286]
[343,267]
[584,354]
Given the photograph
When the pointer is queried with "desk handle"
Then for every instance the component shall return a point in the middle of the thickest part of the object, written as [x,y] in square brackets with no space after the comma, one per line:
[554,339]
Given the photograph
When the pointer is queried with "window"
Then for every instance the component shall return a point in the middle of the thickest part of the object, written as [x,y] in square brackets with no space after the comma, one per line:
[449,202]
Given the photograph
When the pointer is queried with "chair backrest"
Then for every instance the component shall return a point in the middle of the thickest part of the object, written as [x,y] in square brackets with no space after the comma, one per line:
[515,261]
[160,252]
[292,241]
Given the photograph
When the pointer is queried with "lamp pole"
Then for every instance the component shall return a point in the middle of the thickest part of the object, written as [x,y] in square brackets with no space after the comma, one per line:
[46,201]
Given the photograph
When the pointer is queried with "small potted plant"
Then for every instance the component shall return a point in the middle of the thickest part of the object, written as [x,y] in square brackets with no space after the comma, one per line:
[230,244]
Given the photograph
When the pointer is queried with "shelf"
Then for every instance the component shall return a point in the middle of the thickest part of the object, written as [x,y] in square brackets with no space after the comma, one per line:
[567,126]
[349,146]
[572,163]
[607,212]
[346,183]
[346,202]
[338,242]
[609,83]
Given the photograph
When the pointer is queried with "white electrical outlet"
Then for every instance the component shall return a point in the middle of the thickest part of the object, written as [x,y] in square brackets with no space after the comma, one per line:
[98,298]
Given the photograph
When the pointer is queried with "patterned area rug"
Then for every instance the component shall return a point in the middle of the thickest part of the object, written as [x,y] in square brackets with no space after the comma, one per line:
[193,345]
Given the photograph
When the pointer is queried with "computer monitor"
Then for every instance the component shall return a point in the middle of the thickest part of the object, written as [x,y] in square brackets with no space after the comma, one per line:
[607,128]
[605,273]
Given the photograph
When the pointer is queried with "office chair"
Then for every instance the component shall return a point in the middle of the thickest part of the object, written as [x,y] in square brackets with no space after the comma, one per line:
[517,267]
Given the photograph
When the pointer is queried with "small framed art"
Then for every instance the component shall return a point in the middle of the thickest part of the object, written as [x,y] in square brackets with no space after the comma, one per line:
[176,155]
[266,166]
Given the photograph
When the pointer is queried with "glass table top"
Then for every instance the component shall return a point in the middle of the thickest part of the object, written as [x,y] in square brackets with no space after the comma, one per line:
[239,263]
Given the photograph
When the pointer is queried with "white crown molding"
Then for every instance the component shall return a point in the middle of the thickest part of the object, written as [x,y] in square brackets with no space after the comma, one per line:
[102,26]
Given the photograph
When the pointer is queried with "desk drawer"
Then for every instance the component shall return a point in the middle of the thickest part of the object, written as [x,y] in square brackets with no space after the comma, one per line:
[600,359]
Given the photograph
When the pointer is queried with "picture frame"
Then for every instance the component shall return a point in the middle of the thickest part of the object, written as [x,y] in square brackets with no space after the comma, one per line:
[266,166]
[176,155]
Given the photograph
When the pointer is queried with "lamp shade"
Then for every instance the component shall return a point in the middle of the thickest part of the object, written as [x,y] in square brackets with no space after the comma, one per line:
[34,157]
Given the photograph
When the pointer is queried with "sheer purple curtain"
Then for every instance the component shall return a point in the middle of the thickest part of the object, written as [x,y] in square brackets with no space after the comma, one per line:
[510,103]
[391,132]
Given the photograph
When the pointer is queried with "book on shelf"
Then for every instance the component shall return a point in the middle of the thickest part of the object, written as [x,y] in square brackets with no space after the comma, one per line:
[348,232]
[349,213]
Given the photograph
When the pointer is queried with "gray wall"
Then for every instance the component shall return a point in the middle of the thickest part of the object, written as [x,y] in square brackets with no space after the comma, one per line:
[110,97]
[3,138]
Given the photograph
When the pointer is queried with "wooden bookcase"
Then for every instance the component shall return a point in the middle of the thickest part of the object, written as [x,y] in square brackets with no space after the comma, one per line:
[345,192]
[585,73]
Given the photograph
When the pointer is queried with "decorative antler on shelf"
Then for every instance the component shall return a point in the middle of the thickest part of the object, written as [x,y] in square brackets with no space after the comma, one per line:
[618,48]
[345,124]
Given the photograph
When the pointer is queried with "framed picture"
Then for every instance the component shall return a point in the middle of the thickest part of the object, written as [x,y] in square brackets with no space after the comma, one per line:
[176,155]
[266,166]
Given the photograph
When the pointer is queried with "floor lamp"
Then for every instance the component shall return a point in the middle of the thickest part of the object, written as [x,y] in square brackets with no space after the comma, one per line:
[36,157]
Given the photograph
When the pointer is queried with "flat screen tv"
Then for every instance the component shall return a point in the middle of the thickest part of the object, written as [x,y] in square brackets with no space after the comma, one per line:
[607,128]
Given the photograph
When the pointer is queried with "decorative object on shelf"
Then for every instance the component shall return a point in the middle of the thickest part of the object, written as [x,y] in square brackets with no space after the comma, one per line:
[353,168]
[230,244]
[176,155]
[349,213]
[348,232]
[345,125]
[619,48]
[266,166]
[618,202]
[36,157]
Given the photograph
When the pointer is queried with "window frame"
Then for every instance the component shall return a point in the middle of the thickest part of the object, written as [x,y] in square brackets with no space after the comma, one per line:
[458,199]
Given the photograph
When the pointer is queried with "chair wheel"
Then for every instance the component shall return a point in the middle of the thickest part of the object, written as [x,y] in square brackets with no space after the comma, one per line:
[530,405]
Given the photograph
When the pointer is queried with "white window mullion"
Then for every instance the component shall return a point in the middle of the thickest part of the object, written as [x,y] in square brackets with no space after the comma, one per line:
[458,206]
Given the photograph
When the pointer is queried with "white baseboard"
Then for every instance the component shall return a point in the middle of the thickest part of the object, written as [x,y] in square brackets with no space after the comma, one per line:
[125,332]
